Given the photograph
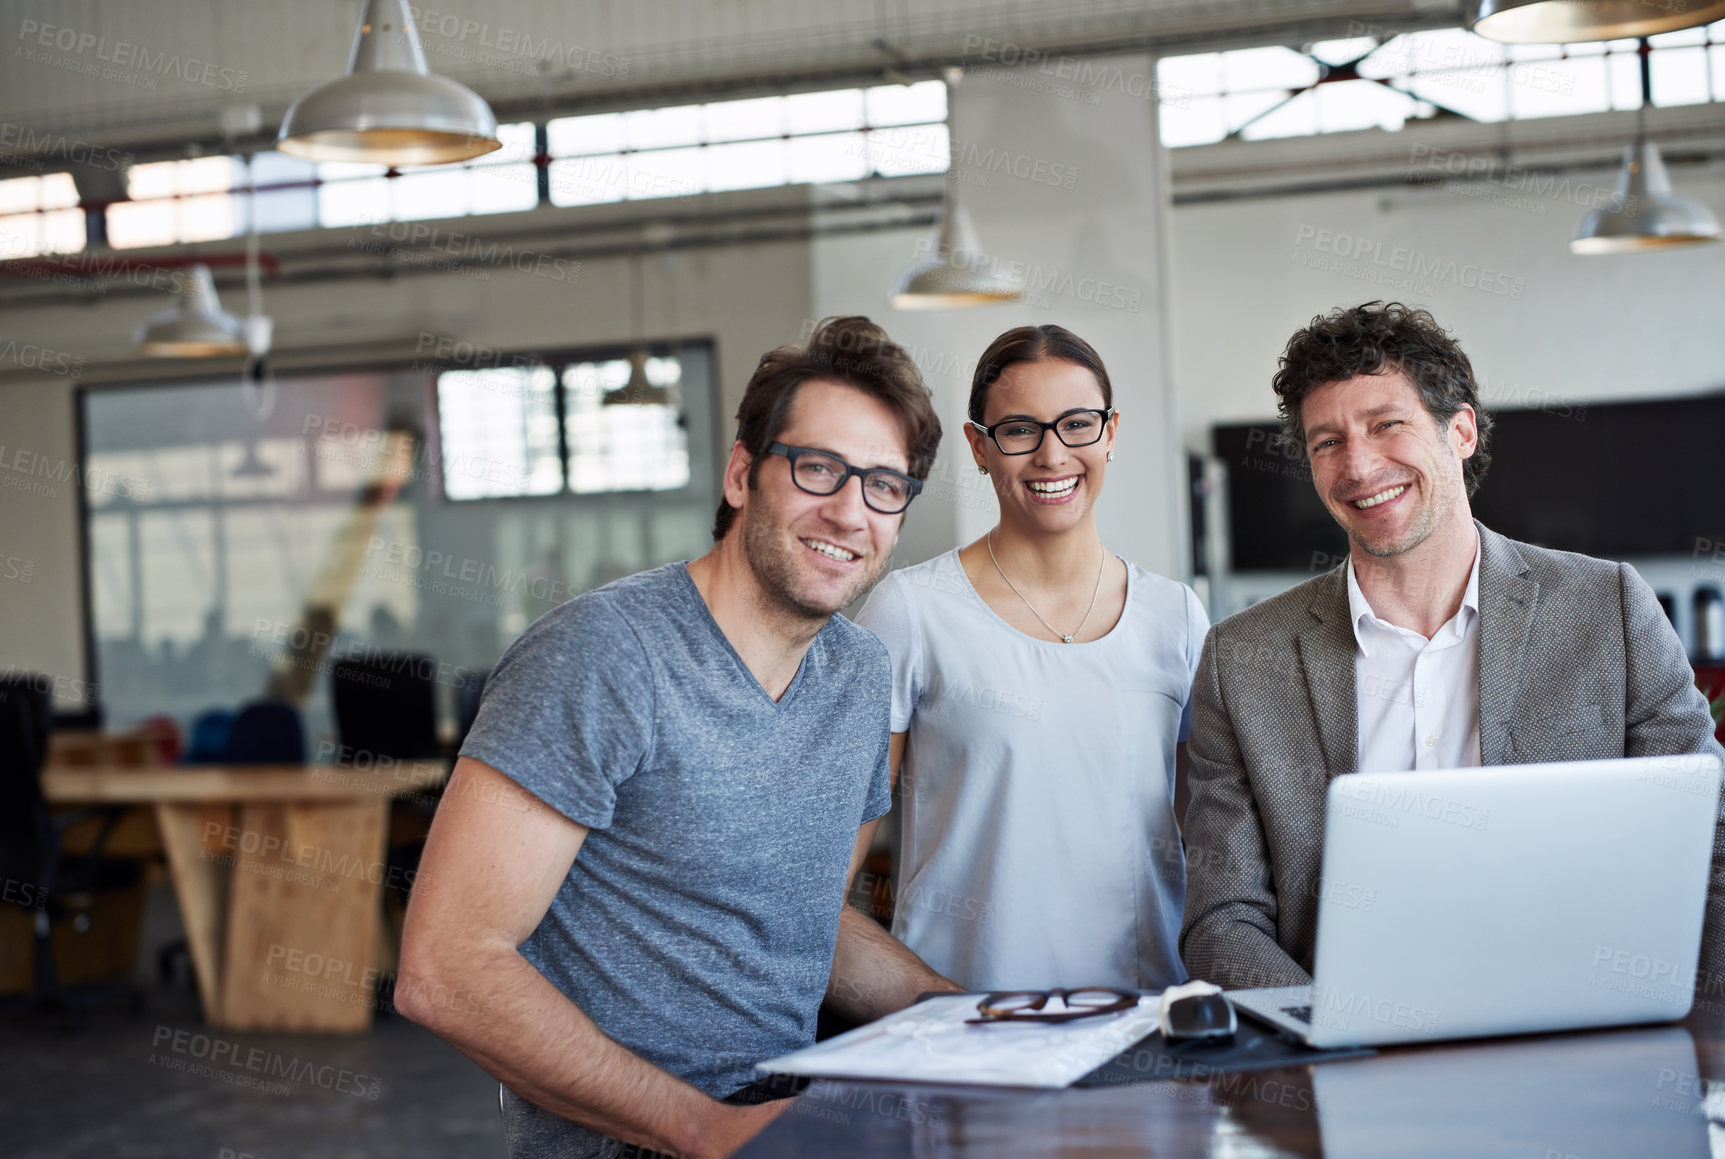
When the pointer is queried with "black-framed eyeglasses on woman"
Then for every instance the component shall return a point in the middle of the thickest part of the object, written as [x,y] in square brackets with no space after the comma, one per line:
[1020,435]
[1031,1005]
[823,473]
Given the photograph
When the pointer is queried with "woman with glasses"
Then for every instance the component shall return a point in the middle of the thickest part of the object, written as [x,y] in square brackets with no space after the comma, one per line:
[1040,685]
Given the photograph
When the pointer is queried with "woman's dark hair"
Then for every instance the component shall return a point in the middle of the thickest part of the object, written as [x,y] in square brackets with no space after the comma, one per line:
[1380,338]
[853,351]
[1033,344]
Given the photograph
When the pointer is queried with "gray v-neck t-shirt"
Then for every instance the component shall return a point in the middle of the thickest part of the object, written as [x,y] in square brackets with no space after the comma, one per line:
[1038,845]
[697,924]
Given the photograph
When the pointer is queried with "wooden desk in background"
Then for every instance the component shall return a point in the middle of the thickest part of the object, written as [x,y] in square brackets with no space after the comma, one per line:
[278,871]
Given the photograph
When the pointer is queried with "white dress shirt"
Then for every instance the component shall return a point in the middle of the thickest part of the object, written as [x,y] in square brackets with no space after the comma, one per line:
[1418,699]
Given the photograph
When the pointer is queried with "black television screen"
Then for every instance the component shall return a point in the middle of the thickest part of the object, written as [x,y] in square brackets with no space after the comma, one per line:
[1616,480]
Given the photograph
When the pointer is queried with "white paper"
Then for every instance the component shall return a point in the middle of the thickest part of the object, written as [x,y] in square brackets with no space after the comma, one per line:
[931,1043]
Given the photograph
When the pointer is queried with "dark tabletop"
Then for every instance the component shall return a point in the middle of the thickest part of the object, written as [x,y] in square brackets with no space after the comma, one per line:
[1632,1092]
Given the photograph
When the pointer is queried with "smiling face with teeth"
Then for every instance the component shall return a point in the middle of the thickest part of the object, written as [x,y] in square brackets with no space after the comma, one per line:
[811,555]
[1389,473]
[1053,488]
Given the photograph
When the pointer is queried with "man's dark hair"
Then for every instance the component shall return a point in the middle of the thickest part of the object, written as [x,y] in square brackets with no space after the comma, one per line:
[1033,344]
[855,352]
[1380,338]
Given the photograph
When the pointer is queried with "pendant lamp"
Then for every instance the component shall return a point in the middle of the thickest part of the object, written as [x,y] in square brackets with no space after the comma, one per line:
[390,109]
[1568,21]
[1644,213]
[195,326]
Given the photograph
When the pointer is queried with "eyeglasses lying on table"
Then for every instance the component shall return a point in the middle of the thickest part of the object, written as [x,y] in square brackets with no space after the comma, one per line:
[1195,1010]
[1051,1006]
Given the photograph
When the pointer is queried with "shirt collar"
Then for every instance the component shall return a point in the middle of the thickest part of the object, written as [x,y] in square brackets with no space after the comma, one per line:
[1361,616]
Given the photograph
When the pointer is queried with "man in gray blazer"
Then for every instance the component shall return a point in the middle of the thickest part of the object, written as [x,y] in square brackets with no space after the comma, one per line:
[1437,644]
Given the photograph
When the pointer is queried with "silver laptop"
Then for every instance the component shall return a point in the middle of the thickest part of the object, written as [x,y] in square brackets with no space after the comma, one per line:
[1505,900]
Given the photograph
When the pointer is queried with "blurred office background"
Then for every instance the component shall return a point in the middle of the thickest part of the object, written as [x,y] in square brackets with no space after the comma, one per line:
[492,383]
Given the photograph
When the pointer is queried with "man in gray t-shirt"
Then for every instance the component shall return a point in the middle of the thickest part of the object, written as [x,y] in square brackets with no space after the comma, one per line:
[635,883]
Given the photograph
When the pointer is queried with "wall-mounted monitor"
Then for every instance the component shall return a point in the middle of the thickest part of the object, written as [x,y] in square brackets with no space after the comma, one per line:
[1615,480]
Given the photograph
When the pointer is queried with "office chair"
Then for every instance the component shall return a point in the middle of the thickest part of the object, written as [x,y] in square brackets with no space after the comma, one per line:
[32,861]
[386,705]
[266,732]
[207,739]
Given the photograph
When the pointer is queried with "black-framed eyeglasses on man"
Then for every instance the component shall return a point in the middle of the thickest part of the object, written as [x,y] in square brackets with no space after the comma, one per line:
[823,473]
[1032,1005]
[1021,435]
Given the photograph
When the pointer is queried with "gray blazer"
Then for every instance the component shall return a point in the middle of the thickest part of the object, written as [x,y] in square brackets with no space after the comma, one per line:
[1576,662]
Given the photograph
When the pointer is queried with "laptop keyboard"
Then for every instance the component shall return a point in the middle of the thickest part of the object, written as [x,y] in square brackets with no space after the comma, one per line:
[1299,1013]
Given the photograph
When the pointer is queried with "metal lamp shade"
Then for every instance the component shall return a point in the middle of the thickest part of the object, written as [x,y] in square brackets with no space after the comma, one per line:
[957,275]
[638,391]
[389,109]
[1567,21]
[1644,213]
[195,326]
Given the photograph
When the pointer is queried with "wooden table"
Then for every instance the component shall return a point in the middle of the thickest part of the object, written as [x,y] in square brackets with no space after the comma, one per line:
[278,871]
[1598,1095]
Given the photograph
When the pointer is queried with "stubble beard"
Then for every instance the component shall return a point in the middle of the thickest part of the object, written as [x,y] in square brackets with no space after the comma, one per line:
[775,570]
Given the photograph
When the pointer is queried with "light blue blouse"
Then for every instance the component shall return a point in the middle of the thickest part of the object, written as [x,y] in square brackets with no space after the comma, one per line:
[1038,844]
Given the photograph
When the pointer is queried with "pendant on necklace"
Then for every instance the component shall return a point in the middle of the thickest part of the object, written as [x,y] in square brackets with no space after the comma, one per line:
[1066,639]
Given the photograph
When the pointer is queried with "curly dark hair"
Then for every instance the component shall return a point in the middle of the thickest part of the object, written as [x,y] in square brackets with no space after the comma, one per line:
[1379,338]
[850,350]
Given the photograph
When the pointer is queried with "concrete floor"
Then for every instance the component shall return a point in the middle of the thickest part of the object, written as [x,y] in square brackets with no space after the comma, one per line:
[162,1084]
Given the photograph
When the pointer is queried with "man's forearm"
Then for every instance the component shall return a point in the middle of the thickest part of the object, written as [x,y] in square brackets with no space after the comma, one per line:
[517,1026]
[874,973]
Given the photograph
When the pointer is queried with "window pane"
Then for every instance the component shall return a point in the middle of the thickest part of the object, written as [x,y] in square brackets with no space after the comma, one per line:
[745,120]
[284,209]
[570,136]
[748,165]
[58,191]
[824,112]
[498,430]
[833,157]
[208,217]
[1265,68]
[155,179]
[1198,122]
[1242,107]
[1624,71]
[1474,92]
[520,143]
[1680,76]
[359,202]
[915,149]
[906,104]
[1200,74]
[428,194]
[63,231]
[1558,88]
[20,194]
[630,447]
[140,223]
[1360,104]
[1297,118]
[662,128]
[588,180]
[504,188]
[667,173]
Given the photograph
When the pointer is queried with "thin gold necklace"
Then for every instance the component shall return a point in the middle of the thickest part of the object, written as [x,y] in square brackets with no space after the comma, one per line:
[1065,637]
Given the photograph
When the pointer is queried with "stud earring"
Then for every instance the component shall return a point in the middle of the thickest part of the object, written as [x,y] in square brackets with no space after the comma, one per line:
[1110,456]
[981,470]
